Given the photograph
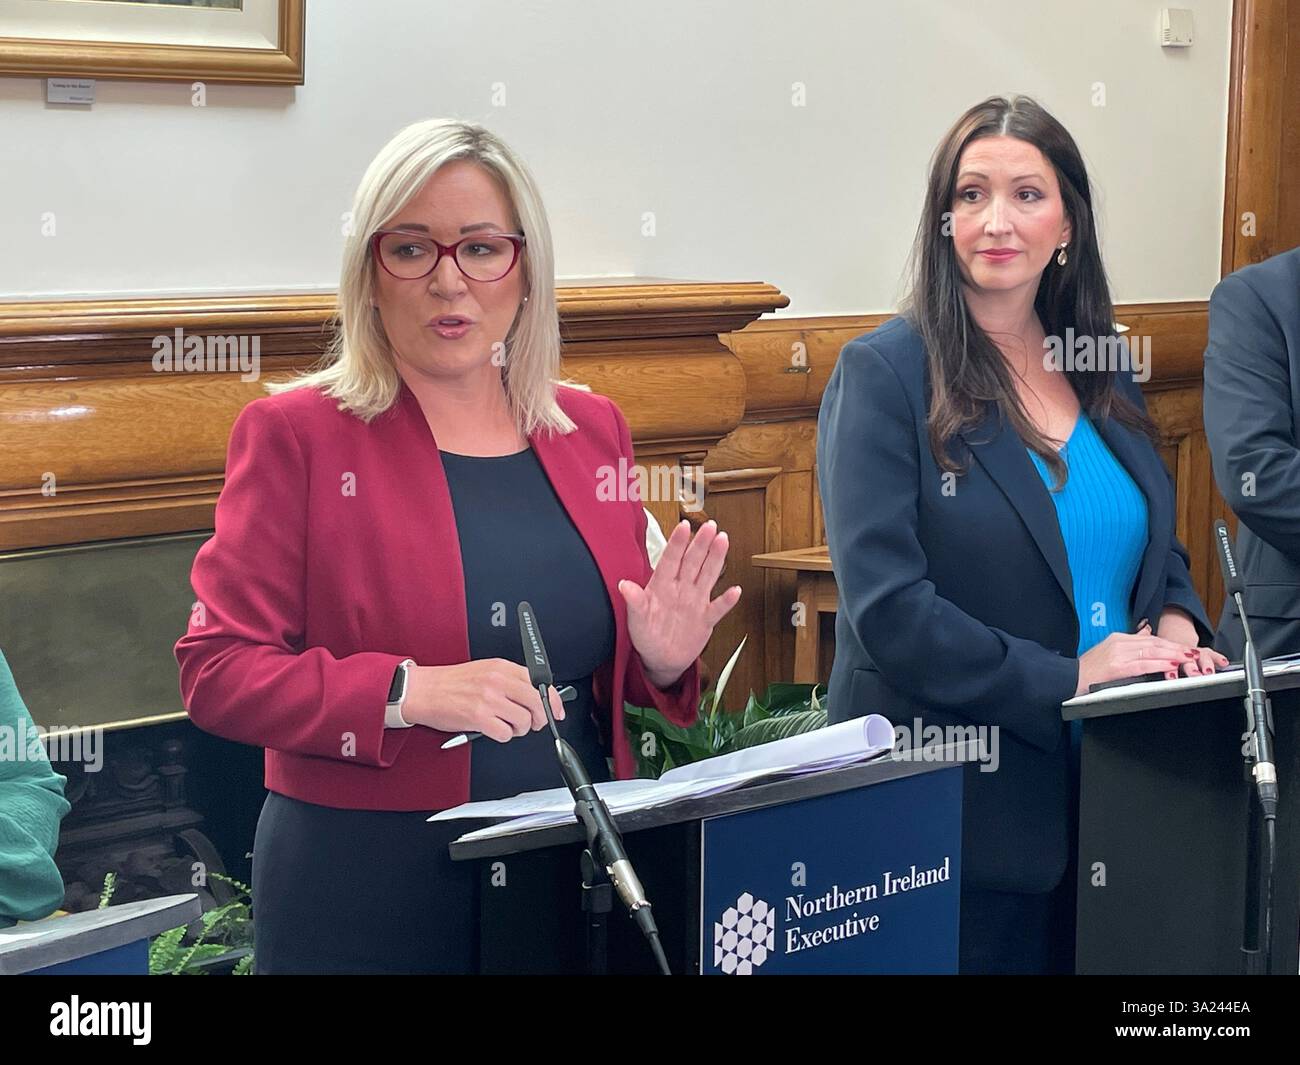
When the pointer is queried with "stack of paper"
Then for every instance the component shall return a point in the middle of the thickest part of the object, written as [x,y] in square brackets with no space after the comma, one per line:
[825,748]
[1225,678]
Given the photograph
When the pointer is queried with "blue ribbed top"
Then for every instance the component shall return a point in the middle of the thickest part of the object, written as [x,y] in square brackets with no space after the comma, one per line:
[1103,518]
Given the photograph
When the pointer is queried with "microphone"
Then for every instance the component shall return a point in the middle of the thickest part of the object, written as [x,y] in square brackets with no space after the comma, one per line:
[1258,712]
[603,838]
[536,660]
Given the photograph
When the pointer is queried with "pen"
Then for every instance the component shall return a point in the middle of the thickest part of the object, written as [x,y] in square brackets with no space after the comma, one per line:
[567,694]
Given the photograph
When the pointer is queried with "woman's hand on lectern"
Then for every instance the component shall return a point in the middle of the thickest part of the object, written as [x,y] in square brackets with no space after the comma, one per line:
[1131,654]
[1176,624]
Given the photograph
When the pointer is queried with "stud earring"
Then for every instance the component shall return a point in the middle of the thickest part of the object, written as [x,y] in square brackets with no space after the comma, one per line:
[1062,258]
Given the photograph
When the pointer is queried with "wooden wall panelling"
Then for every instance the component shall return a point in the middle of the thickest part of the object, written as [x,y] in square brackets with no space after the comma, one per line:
[137,452]
[788,448]
[1186,451]
[1177,335]
[747,504]
[1263,152]
[787,362]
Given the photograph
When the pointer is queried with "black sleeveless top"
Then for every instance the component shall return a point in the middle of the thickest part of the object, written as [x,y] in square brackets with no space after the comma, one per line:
[518,543]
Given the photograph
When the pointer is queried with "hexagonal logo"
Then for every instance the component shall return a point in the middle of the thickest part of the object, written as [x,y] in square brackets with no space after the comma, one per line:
[744,937]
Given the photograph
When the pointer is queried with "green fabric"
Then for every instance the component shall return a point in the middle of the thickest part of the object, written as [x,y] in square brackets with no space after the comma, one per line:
[31,807]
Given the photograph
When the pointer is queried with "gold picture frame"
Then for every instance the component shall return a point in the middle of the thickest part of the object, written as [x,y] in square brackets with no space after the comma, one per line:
[280,64]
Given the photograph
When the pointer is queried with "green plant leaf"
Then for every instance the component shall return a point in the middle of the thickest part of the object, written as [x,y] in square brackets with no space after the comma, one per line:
[647,718]
[198,953]
[238,885]
[754,711]
[164,951]
[717,731]
[687,744]
[110,885]
[777,728]
[784,698]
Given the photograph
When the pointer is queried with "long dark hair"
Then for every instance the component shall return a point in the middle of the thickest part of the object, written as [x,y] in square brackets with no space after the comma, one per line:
[967,371]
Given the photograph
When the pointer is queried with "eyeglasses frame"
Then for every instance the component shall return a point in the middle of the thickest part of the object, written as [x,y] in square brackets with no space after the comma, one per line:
[517,241]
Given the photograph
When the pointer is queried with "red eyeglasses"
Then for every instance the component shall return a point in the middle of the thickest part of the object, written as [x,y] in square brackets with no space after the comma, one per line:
[482,257]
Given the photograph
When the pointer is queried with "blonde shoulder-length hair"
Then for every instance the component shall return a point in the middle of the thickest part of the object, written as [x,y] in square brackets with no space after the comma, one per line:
[358,369]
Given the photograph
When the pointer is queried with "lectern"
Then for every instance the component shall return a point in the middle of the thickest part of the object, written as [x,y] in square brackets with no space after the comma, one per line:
[111,941]
[1163,821]
[850,870]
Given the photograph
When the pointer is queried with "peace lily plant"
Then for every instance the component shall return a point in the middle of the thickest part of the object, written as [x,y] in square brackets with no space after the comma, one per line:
[784,710]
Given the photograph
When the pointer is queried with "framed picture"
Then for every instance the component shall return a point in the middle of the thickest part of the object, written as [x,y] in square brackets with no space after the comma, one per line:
[249,41]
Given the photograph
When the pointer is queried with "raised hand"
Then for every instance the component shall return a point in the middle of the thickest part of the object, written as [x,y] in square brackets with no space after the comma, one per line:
[671,618]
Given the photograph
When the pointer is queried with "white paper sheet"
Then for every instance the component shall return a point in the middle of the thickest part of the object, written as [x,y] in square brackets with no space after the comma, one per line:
[826,748]
[1227,678]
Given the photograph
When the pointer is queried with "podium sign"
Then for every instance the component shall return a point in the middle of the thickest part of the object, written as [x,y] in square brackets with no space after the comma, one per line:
[862,881]
[849,870]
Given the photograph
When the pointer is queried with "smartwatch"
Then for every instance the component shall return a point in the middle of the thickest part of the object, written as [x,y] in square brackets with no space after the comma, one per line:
[397,696]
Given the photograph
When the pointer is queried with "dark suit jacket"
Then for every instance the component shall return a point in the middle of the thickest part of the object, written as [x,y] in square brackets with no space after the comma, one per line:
[311,597]
[1252,419]
[956,596]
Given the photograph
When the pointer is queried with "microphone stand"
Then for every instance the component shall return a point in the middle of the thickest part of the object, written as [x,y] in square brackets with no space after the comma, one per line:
[1257,926]
[597,901]
[1261,836]
[604,865]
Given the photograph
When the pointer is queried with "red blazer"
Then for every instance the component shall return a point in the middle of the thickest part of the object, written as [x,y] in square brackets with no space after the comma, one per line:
[308,596]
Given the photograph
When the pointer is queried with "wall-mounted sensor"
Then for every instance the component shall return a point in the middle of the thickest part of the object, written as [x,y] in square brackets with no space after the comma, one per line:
[1175,27]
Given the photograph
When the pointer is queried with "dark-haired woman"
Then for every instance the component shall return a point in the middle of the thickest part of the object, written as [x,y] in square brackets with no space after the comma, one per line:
[1000,523]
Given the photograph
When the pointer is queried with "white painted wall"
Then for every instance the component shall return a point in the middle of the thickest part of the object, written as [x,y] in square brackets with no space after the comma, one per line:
[680,107]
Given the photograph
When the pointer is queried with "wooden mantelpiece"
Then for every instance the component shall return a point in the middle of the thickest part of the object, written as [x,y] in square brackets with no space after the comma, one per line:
[129,451]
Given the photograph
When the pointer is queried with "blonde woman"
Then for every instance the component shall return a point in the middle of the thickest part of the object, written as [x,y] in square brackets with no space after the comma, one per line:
[380,521]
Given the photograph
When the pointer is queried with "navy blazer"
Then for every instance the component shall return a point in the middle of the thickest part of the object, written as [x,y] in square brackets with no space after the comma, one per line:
[955,596]
[1252,419]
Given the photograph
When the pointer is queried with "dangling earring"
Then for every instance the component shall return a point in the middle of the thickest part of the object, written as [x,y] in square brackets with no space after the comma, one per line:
[1062,259]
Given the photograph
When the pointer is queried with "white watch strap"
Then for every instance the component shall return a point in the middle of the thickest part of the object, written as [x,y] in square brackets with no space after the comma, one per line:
[393,711]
